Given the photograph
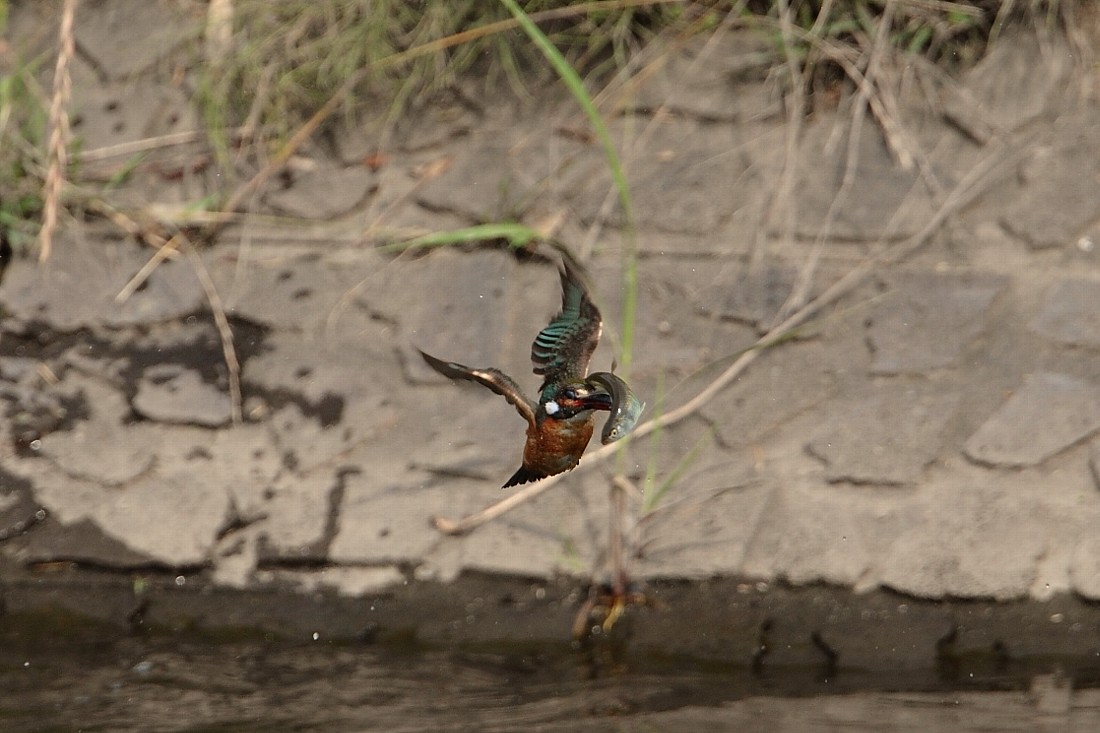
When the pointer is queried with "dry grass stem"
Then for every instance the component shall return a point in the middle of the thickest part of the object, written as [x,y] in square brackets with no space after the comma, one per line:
[168,248]
[847,58]
[429,173]
[143,146]
[652,57]
[225,331]
[219,31]
[165,249]
[800,292]
[624,87]
[783,207]
[57,148]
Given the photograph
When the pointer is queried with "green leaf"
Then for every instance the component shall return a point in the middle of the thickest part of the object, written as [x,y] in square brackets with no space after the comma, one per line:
[517,235]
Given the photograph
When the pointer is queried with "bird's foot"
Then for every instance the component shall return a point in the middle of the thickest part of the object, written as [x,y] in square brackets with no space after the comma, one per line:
[605,607]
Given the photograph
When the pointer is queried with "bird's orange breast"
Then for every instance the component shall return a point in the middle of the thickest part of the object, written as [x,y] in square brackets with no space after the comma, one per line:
[555,446]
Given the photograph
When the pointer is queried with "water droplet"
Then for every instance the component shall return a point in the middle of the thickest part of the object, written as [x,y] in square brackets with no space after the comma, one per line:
[180,580]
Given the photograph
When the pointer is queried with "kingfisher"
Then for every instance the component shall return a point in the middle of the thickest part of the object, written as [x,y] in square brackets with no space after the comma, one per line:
[560,423]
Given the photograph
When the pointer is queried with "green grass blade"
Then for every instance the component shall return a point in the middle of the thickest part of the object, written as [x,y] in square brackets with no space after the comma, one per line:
[516,234]
[122,175]
[654,437]
[573,82]
[651,499]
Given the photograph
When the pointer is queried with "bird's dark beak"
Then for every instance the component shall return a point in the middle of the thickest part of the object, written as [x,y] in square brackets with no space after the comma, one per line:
[598,400]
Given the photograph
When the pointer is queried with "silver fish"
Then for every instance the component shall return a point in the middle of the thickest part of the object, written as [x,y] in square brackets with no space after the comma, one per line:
[625,407]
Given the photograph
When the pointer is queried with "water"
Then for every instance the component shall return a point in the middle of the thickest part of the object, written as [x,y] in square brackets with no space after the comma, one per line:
[494,655]
[155,685]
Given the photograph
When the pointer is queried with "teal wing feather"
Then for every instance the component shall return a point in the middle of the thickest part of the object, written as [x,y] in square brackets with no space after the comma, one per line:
[561,352]
[494,379]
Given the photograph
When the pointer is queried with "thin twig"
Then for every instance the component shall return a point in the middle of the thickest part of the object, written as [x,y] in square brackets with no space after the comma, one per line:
[822,19]
[658,116]
[169,248]
[433,171]
[225,331]
[842,56]
[166,249]
[964,192]
[144,145]
[58,149]
[783,203]
[999,21]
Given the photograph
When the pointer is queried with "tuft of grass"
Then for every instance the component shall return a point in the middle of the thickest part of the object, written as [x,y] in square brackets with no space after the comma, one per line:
[293,55]
[22,138]
[951,34]
[276,63]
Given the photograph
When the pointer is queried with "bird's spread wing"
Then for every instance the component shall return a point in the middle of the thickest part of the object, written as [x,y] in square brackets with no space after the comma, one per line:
[494,379]
[562,350]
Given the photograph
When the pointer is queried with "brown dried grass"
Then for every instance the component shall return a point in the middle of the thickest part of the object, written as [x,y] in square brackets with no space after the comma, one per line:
[58,148]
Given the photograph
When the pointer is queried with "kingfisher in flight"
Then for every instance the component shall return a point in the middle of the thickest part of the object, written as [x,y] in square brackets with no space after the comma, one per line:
[560,423]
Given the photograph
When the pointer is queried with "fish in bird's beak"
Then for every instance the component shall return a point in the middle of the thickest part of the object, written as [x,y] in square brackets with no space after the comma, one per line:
[624,407]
